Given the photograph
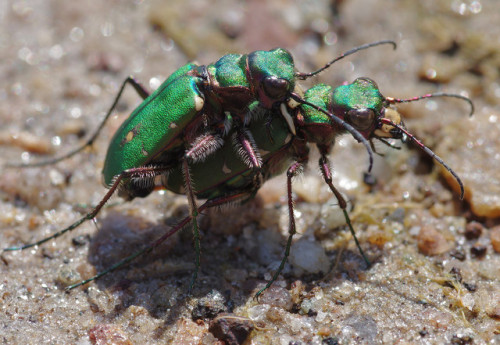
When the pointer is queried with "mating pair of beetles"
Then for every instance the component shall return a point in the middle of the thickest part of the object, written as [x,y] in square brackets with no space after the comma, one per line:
[219,131]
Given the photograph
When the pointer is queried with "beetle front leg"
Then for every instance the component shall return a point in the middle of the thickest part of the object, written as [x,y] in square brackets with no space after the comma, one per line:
[327,176]
[292,171]
[249,154]
[203,146]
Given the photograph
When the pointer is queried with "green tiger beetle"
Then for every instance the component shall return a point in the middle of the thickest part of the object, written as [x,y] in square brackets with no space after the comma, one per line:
[210,119]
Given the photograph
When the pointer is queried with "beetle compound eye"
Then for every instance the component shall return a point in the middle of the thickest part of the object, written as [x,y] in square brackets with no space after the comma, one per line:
[362,119]
[275,88]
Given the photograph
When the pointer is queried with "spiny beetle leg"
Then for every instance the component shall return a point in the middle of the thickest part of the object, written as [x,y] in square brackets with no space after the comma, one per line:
[199,151]
[247,149]
[130,80]
[208,204]
[292,171]
[204,146]
[327,176]
[368,178]
[249,153]
[126,174]
[374,149]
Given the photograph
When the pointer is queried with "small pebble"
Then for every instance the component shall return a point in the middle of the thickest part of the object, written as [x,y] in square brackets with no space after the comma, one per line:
[307,256]
[330,341]
[324,331]
[459,253]
[358,326]
[297,289]
[79,241]
[108,334]
[432,242]
[470,286]
[462,340]
[473,230]
[494,313]
[27,141]
[277,296]
[231,329]
[67,277]
[188,332]
[209,306]
[478,251]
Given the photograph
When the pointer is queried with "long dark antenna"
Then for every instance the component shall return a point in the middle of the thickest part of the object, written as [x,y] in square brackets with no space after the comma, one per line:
[429,152]
[392,100]
[304,76]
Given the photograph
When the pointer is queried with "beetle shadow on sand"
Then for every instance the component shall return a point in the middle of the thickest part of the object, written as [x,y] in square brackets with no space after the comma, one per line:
[155,280]
[237,255]
[159,280]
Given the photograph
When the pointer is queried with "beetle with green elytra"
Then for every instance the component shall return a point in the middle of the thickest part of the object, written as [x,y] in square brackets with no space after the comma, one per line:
[188,117]
[197,106]
[323,113]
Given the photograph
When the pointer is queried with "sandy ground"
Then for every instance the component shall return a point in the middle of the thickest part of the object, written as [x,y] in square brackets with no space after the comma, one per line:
[436,274]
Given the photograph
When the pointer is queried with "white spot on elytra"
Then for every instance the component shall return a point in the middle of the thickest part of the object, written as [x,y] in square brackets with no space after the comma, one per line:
[198,103]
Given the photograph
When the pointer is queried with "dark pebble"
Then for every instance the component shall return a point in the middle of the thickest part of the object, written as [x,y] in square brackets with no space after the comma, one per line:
[231,328]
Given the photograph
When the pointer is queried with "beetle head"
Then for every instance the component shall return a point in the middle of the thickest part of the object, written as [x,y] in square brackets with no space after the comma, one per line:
[271,75]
